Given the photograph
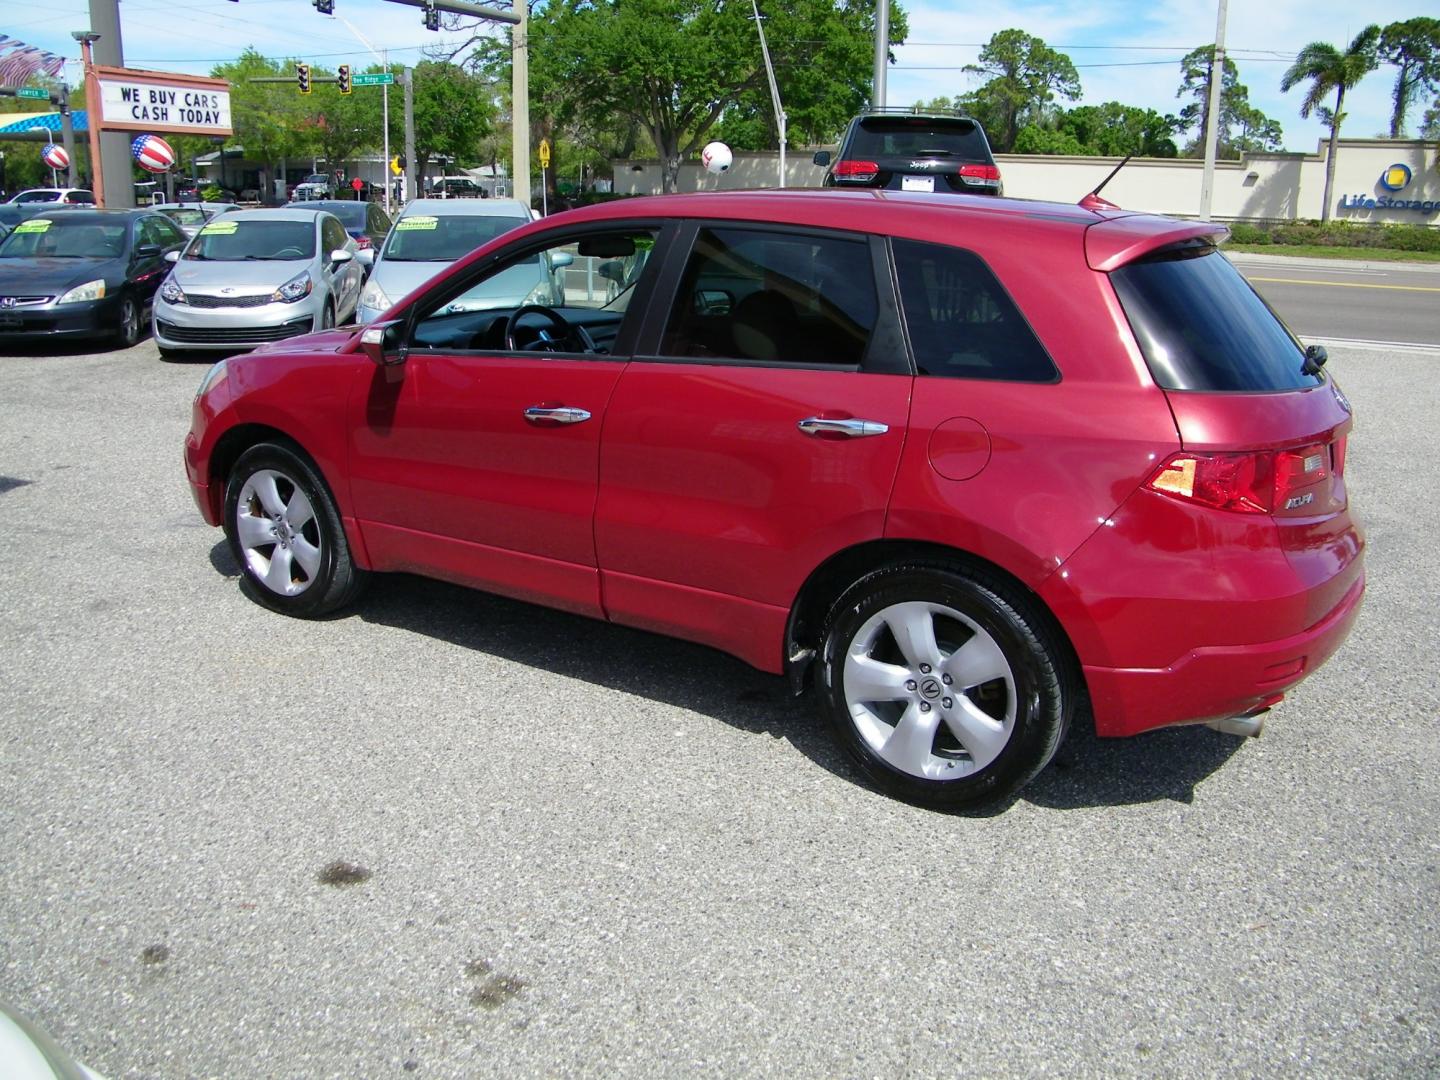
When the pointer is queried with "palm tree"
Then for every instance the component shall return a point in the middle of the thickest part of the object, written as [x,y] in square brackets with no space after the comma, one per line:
[1328,69]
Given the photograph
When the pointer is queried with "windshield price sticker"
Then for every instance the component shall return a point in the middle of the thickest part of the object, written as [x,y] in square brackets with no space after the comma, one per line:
[220,228]
[418,222]
[34,225]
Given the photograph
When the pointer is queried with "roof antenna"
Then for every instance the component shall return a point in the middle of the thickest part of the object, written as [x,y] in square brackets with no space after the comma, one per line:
[1093,201]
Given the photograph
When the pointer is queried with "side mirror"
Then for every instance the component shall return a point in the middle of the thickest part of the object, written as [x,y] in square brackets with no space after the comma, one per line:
[561,260]
[365,256]
[147,251]
[1315,357]
[341,255]
[822,157]
[612,271]
[381,343]
[172,256]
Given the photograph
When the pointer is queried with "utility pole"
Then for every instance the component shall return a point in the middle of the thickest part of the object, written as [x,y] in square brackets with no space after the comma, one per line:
[407,75]
[1212,115]
[67,135]
[882,51]
[520,104]
[108,51]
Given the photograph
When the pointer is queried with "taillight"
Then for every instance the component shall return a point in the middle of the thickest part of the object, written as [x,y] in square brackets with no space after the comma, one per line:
[856,170]
[363,242]
[981,172]
[1259,482]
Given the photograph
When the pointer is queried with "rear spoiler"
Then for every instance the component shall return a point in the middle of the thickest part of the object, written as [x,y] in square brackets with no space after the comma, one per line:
[1112,243]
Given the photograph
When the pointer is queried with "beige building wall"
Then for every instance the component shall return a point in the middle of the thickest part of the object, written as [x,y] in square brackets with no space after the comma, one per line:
[1258,187]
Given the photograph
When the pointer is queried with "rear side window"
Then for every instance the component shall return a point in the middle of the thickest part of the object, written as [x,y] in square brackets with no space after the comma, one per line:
[917,136]
[1202,327]
[961,322]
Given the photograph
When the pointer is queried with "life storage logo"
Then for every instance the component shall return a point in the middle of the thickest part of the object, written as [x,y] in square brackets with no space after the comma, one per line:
[1396,178]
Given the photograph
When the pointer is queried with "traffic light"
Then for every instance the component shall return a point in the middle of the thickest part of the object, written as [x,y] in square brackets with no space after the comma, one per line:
[342,78]
[432,16]
[325,7]
[302,77]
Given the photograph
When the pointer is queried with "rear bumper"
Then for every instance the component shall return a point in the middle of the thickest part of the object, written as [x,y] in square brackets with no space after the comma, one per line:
[1216,681]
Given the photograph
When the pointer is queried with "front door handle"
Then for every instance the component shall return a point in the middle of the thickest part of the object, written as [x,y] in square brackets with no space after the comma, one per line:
[848,429]
[557,414]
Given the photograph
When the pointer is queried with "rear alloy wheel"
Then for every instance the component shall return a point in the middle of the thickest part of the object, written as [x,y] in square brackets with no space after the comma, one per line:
[942,685]
[128,332]
[285,533]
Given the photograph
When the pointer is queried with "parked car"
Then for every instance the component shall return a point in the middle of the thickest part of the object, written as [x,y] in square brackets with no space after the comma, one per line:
[430,234]
[978,468]
[314,186]
[69,196]
[188,192]
[462,187]
[366,222]
[256,277]
[913,151]
[83,273]
[190,216]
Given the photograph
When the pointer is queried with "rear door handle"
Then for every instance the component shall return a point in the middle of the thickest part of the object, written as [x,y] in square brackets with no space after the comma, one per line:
[849,429]
[558,414]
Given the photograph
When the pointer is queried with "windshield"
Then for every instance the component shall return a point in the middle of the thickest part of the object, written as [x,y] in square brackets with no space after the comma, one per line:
[37,196]
[1202,327]
[46,238]
[235,239]
[185,216]
[429,238]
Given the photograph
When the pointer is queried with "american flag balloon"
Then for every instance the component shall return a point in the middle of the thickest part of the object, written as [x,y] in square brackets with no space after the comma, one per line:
[55,156]
[153,153]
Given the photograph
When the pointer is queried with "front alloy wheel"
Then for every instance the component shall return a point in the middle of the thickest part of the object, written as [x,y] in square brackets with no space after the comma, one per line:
[285,533]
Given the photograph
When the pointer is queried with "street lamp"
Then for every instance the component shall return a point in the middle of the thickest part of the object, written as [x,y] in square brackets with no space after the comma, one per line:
[87,38]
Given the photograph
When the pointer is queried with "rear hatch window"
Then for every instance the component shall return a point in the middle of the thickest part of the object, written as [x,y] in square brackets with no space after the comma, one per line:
[1202,327]
[885,138]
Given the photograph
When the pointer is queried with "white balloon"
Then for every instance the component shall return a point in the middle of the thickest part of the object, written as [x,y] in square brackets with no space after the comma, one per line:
[716,158]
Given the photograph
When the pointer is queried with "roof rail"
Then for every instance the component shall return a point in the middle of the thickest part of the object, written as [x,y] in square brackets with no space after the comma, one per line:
[912,110]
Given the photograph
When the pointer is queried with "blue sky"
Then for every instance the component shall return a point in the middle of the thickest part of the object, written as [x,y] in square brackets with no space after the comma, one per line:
[1126,50]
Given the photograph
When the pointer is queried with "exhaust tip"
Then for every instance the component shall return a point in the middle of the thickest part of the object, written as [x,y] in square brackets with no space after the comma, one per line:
[1247,726]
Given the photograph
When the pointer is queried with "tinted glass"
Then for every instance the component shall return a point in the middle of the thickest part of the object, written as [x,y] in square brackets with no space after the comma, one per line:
[1202,327]
[69,238]
[798,298]
[236,238]
[961,322]
[36,196]
[163,232]
[333,233]
[437,238]
[186,216]
[917,136]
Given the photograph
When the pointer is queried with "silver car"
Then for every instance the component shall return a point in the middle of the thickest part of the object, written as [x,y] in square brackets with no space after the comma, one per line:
[256,276]
[430,234]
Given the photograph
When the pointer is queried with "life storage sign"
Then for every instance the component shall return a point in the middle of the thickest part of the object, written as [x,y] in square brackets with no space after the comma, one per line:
[134,100]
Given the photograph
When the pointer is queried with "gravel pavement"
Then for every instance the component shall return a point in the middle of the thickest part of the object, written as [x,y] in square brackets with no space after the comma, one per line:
[449,835]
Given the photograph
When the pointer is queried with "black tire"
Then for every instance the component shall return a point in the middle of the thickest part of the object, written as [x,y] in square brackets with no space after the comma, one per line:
[307,570]
[1013,720]
[127,334]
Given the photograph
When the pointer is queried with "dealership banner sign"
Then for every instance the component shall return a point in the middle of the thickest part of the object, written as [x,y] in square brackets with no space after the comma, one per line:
[135,100]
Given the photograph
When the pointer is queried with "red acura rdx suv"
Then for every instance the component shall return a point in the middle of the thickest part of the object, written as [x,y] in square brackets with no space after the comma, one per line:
[972,466]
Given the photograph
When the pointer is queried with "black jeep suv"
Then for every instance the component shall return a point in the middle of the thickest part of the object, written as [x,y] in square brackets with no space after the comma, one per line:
[913,151]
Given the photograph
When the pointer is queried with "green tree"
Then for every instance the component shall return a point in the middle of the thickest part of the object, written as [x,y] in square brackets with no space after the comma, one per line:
[453,113]
[1430,125]
[1327,69]
[1240,126]
[1109,130]
[1413,47]
[273,121]
[1025,76]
